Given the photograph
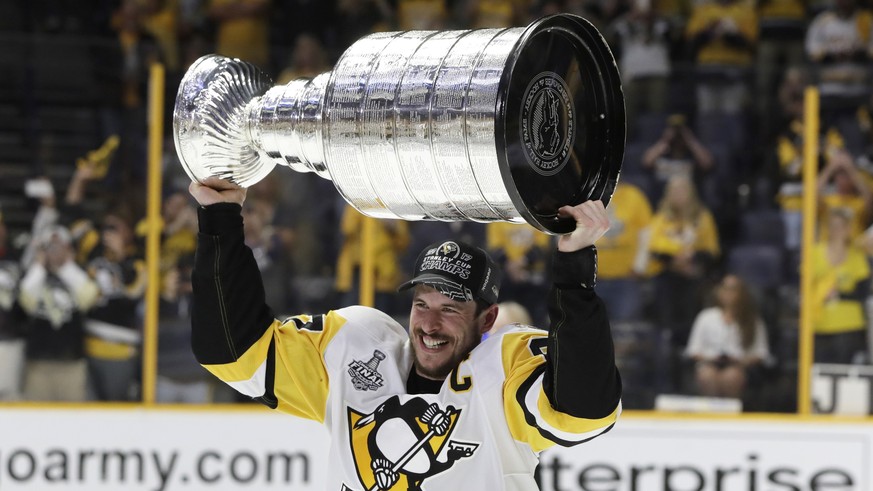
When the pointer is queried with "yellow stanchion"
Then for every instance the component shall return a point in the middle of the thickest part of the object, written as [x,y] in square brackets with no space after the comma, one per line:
[810,169]
[153,233]
[367,272]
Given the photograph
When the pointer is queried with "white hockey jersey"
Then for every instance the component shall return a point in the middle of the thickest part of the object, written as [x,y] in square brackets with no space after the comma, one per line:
[348,369]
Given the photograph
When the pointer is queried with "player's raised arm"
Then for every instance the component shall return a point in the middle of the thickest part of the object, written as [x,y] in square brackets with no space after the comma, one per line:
[234,332]
[581,377]
[229,309]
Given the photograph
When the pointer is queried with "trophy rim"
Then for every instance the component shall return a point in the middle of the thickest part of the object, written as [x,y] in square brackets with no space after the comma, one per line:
[599,53]
[244,169]
[179,115]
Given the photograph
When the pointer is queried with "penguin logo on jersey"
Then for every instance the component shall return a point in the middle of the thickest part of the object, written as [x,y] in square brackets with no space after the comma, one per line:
[397,446]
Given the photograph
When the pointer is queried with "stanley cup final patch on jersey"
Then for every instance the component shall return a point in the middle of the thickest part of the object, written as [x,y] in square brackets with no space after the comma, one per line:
[365,375]
[400,445]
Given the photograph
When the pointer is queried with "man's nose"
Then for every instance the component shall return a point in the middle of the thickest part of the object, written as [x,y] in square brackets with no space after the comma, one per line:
[430,322]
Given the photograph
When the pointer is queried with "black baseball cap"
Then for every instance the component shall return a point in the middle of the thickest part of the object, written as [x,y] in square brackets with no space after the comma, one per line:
[458,270]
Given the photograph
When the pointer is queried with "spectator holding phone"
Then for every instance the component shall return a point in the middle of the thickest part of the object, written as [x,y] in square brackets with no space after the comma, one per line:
[55,292]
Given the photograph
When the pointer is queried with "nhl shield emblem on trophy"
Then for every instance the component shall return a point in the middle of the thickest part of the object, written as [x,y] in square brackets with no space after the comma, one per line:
[483,125]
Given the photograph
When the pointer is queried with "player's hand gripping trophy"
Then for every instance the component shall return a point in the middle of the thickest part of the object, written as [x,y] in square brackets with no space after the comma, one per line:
[485,125]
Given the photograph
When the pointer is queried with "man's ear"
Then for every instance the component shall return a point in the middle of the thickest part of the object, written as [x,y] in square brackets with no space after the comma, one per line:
[489,315]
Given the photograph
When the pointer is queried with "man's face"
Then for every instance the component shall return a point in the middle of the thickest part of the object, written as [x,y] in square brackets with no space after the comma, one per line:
[443,331]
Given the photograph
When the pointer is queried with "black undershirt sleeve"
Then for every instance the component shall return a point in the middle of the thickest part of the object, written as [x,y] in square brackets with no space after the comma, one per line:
[581,377]
[229,310]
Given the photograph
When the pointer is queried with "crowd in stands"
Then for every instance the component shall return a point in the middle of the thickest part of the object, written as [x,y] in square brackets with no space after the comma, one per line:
[699,271]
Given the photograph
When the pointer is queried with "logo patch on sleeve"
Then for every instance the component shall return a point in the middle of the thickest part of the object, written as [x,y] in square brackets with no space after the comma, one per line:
[365,375]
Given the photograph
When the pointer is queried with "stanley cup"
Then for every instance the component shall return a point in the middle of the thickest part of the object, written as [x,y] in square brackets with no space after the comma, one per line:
[484,125]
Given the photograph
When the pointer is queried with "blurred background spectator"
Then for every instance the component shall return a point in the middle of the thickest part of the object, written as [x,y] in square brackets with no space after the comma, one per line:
[113,324]
[524,254]
[728,342]
[641,41]
[55,294]
[840,186]
[785,172]
[839,46]
[242,29]
[269,252]
[510,312]
[781,29]
[723,35]
[11,320]
[841,282]
[684,246]
[677,153]
[623,254]
[180,377]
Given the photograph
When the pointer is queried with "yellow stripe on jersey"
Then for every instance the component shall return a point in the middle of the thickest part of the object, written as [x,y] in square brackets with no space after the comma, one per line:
[301,377]
[529,415]
[571,424]
[300,381]
[247,366]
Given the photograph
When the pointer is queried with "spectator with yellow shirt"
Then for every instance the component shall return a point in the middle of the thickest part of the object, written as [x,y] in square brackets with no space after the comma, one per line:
[242,29]
[684,246]
[840,186]
[786,160]
[623,253]
[841,282]
[723,35]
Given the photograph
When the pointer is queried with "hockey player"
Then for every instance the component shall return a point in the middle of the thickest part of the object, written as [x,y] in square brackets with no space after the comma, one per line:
[428,409]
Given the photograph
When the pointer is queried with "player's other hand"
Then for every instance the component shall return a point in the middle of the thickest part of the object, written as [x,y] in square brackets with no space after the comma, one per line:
[215,190]
[592,222]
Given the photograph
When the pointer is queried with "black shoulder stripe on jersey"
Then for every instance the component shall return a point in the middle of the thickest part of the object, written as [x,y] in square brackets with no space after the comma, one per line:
[269,397]
[531,420]
[315,325]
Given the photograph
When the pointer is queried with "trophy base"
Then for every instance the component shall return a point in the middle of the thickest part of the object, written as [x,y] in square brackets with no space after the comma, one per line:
[561,121]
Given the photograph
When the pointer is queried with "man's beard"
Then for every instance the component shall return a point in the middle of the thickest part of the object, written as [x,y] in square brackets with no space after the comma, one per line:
[442,371]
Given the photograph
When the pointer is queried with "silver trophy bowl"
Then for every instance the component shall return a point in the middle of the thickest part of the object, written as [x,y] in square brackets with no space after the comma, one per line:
[483,125]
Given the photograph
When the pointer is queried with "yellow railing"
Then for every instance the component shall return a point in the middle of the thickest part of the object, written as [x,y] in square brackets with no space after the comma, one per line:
[153,234]
[810,161]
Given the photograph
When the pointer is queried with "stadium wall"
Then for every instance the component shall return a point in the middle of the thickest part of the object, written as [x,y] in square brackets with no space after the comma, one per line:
[179,448]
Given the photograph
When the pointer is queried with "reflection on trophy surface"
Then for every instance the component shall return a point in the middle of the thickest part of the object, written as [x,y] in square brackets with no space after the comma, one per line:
[485,125]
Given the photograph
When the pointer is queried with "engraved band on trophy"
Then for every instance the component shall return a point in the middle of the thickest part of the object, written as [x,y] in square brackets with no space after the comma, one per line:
[484,125]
